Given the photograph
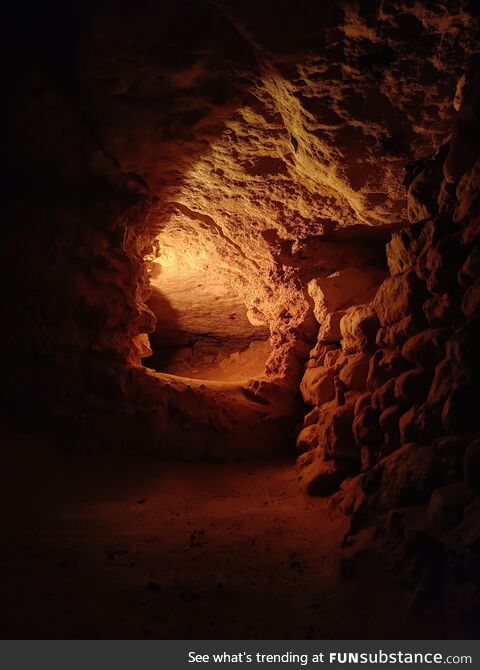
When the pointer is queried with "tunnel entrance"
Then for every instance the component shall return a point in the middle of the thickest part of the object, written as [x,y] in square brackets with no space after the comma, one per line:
[202,330]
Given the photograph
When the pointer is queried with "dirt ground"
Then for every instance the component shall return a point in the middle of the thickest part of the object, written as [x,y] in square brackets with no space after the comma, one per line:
[123,547]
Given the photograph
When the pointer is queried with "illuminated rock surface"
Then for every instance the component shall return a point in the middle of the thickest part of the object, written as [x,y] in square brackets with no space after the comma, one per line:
[287,202]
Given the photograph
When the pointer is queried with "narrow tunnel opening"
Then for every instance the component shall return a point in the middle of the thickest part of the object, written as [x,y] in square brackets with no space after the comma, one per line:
[203,329]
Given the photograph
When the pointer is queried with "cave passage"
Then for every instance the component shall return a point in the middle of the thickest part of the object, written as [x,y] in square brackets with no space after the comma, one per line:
[241,300]
[202,328]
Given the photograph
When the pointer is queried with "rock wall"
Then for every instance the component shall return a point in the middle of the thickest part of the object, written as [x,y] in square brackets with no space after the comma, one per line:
[394,381]
[253,133]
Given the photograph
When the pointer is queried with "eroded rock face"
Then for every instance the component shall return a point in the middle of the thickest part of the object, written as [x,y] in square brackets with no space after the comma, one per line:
[264,144]
[417,427]
[271,141]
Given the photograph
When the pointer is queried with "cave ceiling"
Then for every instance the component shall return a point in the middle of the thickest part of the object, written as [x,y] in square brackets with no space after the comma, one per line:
[254,127]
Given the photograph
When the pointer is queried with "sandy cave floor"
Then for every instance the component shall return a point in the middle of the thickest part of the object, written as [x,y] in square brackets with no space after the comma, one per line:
[124,547]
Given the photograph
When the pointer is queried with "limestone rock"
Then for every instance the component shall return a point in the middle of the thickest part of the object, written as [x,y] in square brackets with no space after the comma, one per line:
[447,504]
[307,438]
[266,144]
[256,318]
[395,335]
[419,424]
[447,199]
[465,141]
[342,289]
[330,329]
[362,401]
[354,373]
[368,455]
[432,232]
[310,418]
[412,387]
[408,476]
[423,192]
[467,193]
[450,450]
[352,495]
[391,442]
[317,385]
[443,309]
[471,301]
[439,263]
[398,296]
[384,396]
[442,262]
[400,251]
[351,397]
[322,478]
[366,428]
[335,358]
[444,378]
[471,234]
[470,270]
[319,353]
[335,431]
[463,351]
[307,458]
[428,348]
[142,345]
[358,329]
[384,365]
[390,417]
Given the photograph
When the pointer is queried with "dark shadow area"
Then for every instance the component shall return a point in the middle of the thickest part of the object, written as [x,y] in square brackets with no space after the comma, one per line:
[164,339]
[150,550]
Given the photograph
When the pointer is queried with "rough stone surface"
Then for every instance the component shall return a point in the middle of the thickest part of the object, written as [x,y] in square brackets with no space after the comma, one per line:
[463,351]
[384,365]
[335,431]
[424,190]
[307,438]
[342,289]
[470,270]
[330,329]
[471,301]
[385,395]
[443,309]
[439,263]
[398,296]
[317,385]
[465,141]
[366,427]
[355,371]
[412,387]
[311,418]
[395,335]
[363,400]
[447,505]
[265,148]
[417,431]
[358,329]
[408,476]
[400,252]
[389,418]
[451,449]
[419,424]
[322,478]
[427,349]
